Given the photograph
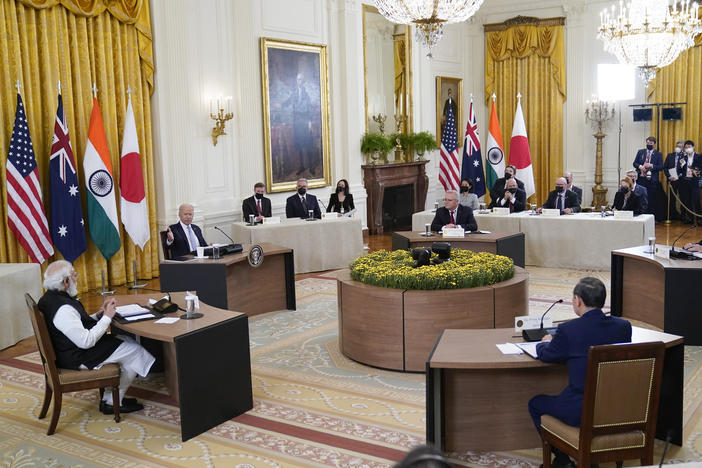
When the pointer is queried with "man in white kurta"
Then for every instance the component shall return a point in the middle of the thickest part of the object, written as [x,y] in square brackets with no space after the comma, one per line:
[80,340]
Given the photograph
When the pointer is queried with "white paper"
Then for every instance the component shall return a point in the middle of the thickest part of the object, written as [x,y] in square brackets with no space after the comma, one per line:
[139,317]
[453,232]
[167,320]
[509,348]
[154,301]
[529,348]
[672,173]
[130,310]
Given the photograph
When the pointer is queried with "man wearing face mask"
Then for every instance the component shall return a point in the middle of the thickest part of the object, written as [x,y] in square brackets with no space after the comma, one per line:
[670,167]
[512,198]
[648,162]
[689,166]
[576,190]
[639,190]
[299,205]
[257,205]
[498,187]
[561,199]
[80,340]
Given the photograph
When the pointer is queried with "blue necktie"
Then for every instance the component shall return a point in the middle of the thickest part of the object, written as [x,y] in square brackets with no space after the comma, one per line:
[193,241]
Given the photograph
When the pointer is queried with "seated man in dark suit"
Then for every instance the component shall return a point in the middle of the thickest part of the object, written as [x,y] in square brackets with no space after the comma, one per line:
[257,205]
[639,190]
[512,198]
[569,345]
[184,237]
[576,190]
[453,214]
[498,187]
[299,205]
[562,199]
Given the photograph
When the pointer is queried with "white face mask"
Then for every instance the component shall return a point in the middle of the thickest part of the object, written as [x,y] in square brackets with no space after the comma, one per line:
[689,150]
[678,149]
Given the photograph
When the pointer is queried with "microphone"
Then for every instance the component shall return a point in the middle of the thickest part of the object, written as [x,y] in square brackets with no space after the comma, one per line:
[319,199]
[535,334]
[665,449]
[225,234]
[678,254]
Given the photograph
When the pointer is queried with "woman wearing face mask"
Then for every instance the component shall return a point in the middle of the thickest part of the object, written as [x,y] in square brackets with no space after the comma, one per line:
[467,197]
[341,201]
[626,199]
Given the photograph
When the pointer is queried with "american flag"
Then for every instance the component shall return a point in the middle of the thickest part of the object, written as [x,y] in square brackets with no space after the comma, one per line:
[448,167]
[25,213]
[472,167]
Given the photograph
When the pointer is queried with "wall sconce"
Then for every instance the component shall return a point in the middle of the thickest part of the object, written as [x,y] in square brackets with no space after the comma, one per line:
[220,117]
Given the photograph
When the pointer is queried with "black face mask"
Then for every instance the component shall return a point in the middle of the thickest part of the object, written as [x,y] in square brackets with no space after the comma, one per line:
[339,189]
[624,189]
[259,196]
[301,191]
[508,175]
[512,190]
[649,147]
[464,189]
[559,189]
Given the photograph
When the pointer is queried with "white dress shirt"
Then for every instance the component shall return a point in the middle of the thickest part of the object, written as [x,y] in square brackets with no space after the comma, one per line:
[67,320]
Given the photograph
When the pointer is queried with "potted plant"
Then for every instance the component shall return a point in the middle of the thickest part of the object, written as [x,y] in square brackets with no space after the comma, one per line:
[423,142]
[405,141]
[374,145]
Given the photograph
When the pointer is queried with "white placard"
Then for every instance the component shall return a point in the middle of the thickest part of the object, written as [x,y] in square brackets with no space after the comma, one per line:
[454,232]
[528,322]
[551,212]
[662,251]
[331,215]
[500,210]
[272,220]
[623,214]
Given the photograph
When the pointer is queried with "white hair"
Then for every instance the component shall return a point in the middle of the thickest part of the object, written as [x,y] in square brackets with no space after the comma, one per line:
[55,273]
[453,192]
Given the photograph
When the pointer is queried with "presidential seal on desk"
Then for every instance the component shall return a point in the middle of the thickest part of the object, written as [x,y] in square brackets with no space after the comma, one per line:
[255,255]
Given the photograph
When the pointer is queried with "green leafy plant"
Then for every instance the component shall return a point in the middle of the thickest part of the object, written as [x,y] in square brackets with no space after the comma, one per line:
[423,142]
[372,142]
[405,140]
[466,269]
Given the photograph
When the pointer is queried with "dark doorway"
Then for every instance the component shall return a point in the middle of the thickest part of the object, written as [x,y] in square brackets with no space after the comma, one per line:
[397,208]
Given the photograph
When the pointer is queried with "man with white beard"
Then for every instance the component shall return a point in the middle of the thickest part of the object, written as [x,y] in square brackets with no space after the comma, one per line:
[79,339]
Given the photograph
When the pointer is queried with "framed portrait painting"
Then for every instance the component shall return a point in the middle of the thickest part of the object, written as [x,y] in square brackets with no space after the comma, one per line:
[449,94]
[295,114]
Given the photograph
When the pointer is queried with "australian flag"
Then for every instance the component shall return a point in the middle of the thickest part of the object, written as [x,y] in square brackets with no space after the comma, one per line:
[67,225]
[472,167]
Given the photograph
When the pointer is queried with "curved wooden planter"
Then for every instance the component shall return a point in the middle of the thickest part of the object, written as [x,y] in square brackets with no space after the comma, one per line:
[396,328]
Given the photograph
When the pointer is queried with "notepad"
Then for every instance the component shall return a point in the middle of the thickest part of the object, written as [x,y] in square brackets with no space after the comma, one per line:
[167,320]
[135,318]
[131,310]
[509,348]
[529,348]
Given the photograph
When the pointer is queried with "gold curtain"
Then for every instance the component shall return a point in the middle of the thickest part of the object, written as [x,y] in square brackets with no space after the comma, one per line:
[527,56]
[680,82]
[79,42]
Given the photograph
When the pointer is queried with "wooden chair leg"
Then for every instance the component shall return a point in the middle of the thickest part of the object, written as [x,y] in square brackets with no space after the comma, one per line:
[55,414]
[546,452]
[115,403]
[47,400]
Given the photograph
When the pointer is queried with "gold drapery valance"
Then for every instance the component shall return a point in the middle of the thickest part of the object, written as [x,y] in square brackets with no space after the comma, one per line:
[79,42]
[527,56]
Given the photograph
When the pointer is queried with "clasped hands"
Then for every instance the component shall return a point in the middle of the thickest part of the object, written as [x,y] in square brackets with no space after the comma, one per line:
[691,246]
[108,308]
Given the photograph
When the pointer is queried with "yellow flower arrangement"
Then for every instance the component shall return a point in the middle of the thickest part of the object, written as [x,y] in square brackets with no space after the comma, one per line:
[466,269]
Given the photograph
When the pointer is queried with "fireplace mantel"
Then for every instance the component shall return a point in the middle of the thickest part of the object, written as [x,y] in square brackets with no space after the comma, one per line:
[377,177]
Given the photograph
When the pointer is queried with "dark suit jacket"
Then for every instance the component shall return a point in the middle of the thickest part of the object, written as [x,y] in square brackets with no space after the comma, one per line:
[498,188]
[633,203]
[570,346]
[519,202]
[571,201]
[696,164]
[671,163]
[656,160]
[248,207]
[335,206]
[464,217]
[642,193]
[294,208]
[180,245]
[579,192]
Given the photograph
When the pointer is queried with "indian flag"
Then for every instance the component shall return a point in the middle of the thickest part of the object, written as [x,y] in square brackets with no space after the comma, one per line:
[102,207]
[495,153]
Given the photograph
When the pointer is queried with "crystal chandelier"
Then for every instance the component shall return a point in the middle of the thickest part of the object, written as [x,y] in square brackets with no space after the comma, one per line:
[649,34]
[428,16]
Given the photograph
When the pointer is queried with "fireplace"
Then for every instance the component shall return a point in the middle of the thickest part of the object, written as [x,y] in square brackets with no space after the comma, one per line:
[378,178]
[397,208]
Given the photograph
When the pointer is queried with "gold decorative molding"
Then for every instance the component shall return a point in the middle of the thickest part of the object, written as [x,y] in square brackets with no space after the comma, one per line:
[524,20]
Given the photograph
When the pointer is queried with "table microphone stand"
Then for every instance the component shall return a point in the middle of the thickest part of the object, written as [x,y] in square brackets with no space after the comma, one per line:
[103,290]
[134,285]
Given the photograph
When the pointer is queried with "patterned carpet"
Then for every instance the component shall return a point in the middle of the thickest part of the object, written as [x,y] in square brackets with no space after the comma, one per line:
[313,407]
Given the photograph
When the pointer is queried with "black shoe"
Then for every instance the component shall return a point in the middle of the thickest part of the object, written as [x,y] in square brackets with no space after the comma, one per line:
[126,407]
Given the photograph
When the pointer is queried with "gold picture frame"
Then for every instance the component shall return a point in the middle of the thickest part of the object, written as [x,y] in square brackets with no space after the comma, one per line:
[296,133]
[443,84]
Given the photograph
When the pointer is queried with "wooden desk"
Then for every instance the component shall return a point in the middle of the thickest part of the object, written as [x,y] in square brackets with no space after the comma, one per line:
[477,397]
[231,283]
[509,245]
[206,362]
[659,291]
